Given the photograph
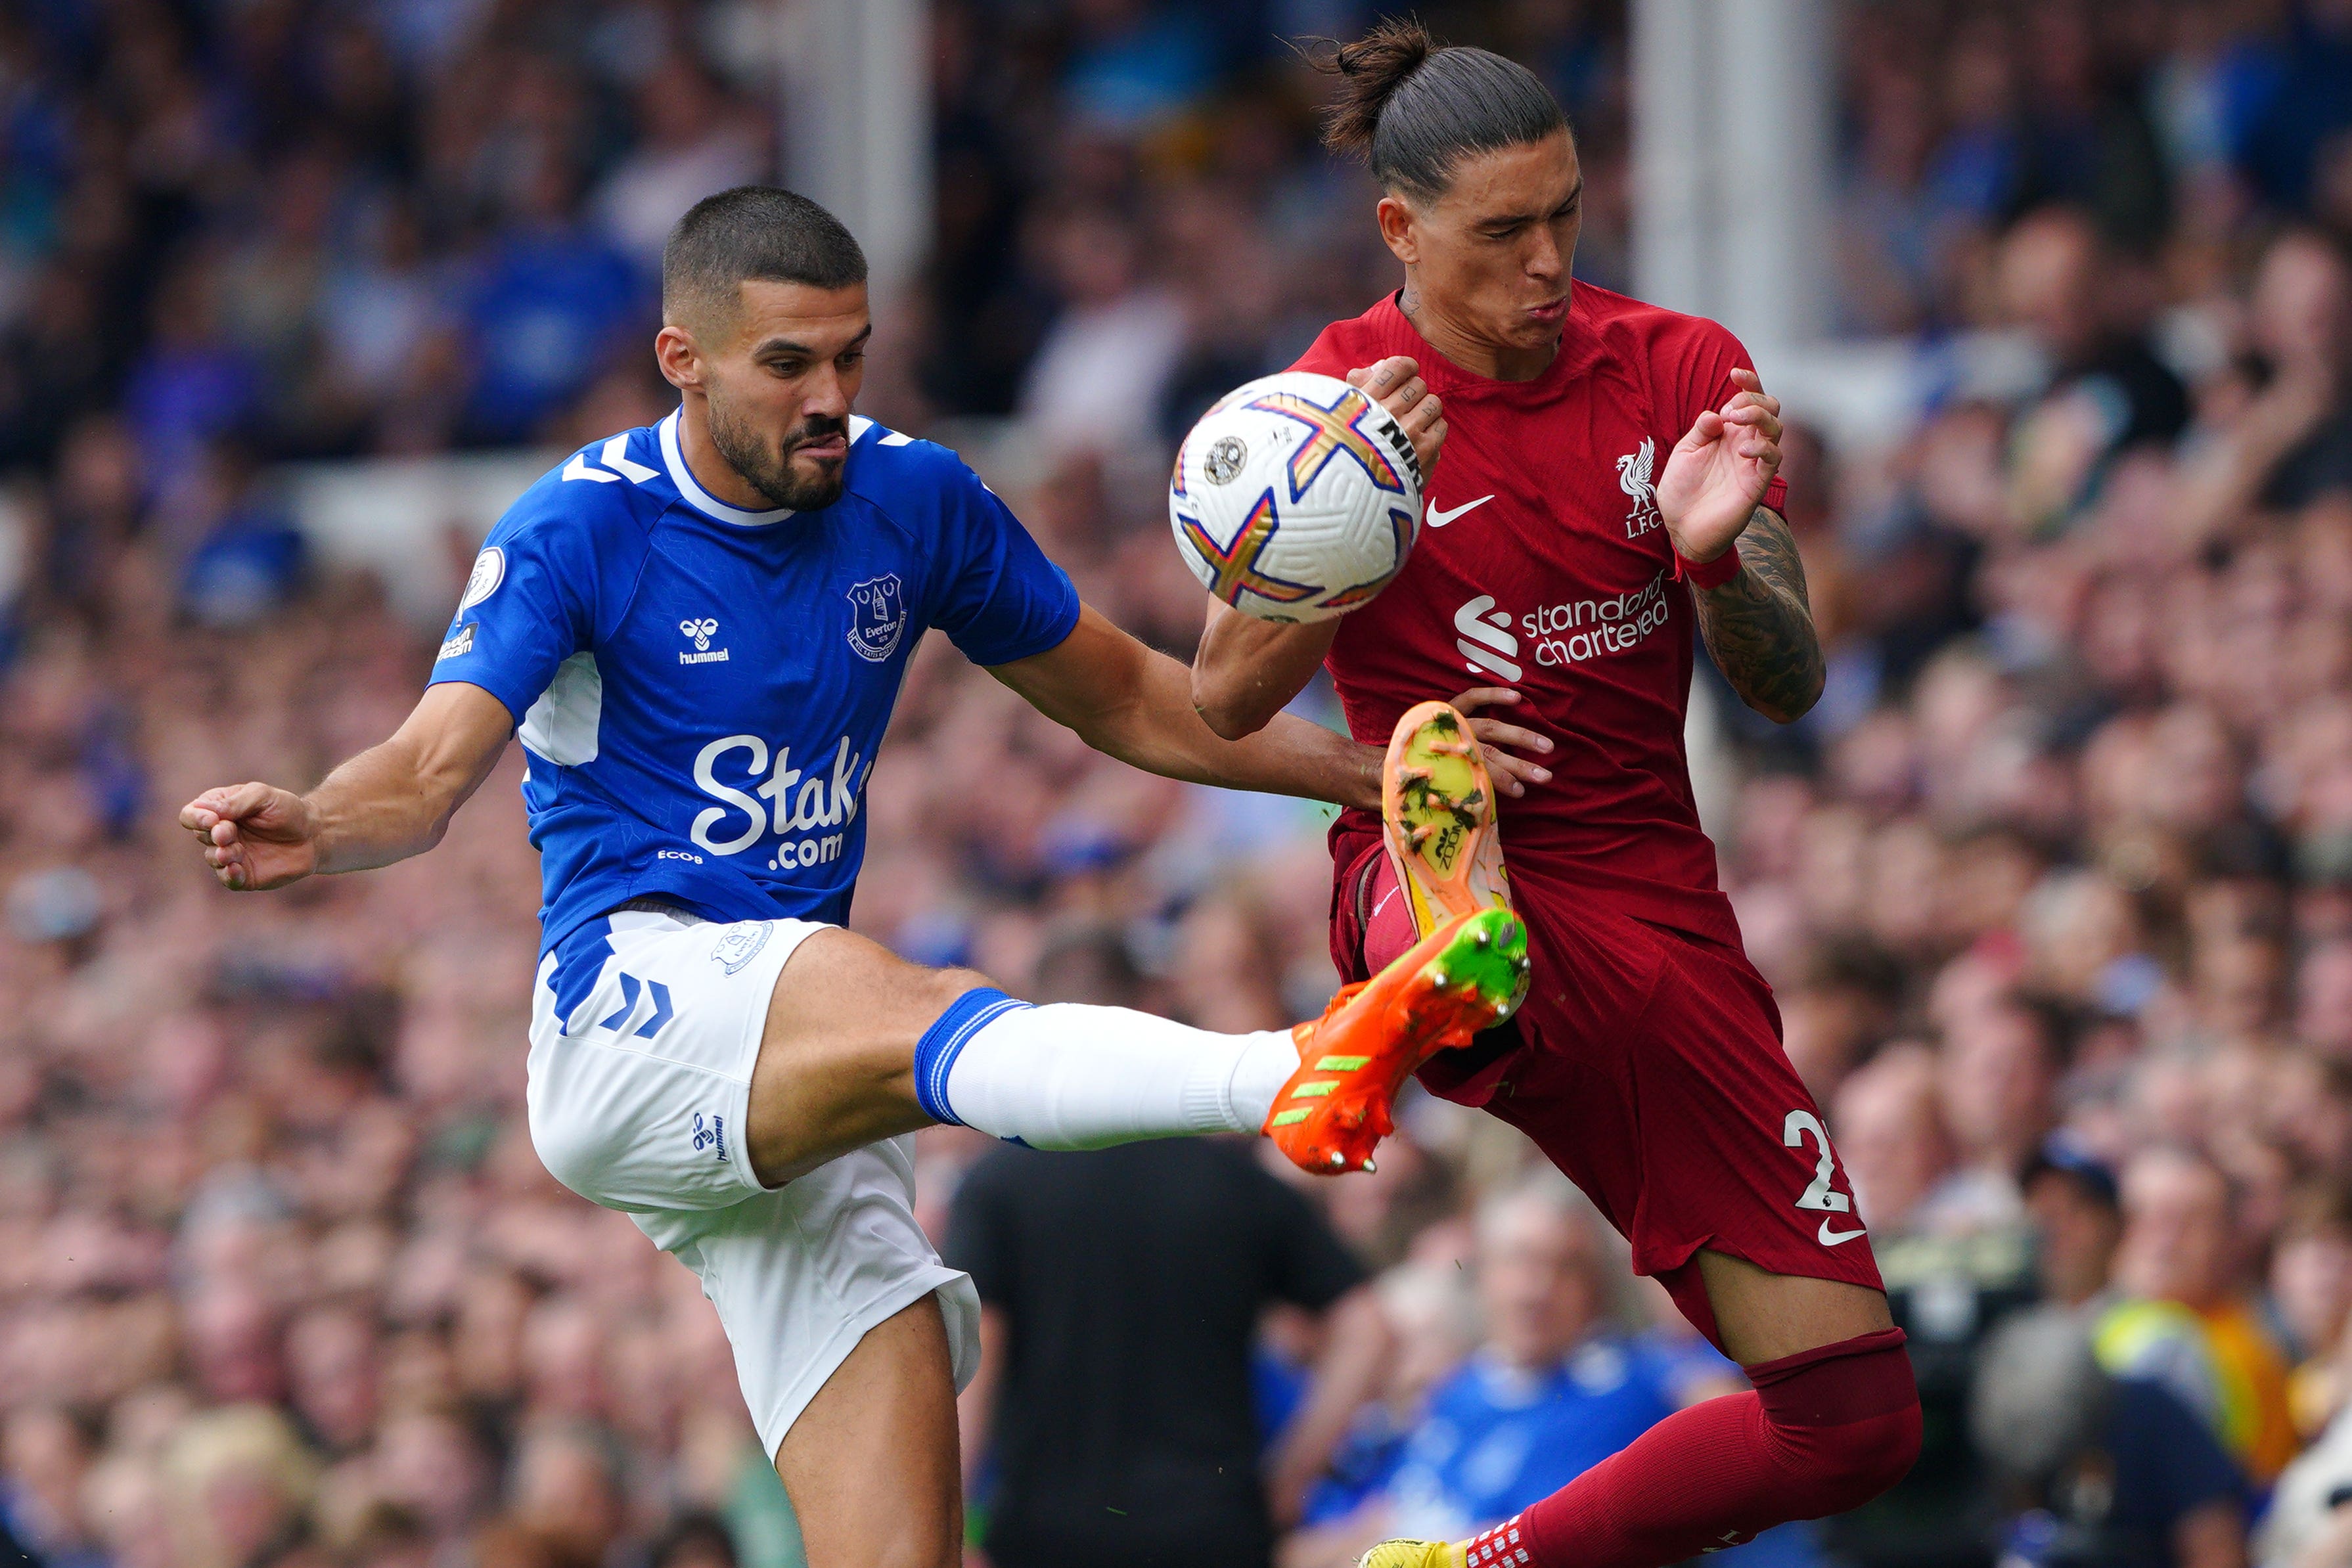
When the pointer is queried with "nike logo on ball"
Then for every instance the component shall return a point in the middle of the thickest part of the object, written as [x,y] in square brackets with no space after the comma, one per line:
[1829,1237]
[1439,517]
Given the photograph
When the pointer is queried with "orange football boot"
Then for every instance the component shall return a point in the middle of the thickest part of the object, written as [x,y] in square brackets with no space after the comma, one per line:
[1464,977]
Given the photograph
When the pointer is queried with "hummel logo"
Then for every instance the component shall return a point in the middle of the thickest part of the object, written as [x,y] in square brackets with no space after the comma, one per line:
[1439,517]
[714,1133]
[1829,1237]
[701,630]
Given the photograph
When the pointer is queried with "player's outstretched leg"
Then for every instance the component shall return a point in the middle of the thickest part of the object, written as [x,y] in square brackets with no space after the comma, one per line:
[872,1464]
[861,1045]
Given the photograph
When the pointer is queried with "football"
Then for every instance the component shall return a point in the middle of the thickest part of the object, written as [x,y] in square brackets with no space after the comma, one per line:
[1295,498]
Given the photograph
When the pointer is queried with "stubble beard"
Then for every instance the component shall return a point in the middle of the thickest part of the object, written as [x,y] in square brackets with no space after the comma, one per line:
[771,473]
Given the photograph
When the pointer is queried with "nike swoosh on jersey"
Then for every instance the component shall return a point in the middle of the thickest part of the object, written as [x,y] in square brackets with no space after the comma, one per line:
[1829,1237]
[1439,517]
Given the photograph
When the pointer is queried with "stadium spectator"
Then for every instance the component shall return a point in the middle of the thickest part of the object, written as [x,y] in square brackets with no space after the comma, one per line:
[1559,1384]
[237,1483]
[1098,379]
[1114,1406]
[2107,390]
[2115,1472]
[2076,1208]
[1893,1138]
[2310,1295]
[46,1457]
[1998,1070]
[1434,1313]
[695,141]
[2181,1264]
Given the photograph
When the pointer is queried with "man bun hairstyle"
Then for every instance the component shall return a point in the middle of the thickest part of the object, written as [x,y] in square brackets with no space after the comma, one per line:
[753,233]
[1413,108]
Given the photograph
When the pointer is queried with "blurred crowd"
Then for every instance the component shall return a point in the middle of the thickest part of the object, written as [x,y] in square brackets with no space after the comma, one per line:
[2056,885]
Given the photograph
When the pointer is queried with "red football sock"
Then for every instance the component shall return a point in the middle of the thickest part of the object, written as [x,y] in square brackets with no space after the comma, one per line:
[1825,1430]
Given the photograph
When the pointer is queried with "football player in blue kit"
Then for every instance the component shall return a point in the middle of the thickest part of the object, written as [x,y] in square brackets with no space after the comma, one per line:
[697,630]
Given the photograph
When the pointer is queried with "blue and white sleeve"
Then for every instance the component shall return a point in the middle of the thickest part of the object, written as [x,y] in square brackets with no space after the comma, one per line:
[524,612]
[999,598]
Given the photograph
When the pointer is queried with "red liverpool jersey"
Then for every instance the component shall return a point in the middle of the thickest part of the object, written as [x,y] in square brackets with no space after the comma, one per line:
[1543,565]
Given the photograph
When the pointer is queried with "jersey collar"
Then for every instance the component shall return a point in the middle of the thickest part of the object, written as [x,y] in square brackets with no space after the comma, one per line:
[701,499]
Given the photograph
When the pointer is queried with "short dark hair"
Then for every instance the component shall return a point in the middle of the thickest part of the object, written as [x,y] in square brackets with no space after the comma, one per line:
[2064,1154]
[1413,108]
[754,233]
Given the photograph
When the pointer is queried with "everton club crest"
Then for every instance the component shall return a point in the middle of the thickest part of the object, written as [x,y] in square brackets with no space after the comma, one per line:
[878,617]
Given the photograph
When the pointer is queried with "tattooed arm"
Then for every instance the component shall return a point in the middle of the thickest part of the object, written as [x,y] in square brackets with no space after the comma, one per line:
[1758,626]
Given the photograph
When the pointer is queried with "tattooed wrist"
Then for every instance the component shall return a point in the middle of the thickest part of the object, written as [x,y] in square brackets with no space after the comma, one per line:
[1759,625]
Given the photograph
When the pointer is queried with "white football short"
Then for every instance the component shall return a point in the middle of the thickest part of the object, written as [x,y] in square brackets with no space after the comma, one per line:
[643,1029]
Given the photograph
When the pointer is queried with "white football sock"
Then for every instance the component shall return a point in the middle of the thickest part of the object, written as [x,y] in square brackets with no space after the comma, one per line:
[1069,1076]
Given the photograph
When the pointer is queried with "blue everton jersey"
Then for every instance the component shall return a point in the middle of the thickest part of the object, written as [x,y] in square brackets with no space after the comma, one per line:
[1495,1438]
[701,690]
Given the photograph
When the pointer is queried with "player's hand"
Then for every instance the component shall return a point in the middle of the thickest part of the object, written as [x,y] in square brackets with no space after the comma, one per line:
[1716,474]
[1396,385]
[1512,775]
[255,836]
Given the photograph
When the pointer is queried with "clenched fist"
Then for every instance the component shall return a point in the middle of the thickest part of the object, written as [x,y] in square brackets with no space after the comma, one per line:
[255,836]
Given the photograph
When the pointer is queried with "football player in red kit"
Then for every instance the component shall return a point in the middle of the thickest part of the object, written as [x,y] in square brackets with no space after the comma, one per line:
[1609,478]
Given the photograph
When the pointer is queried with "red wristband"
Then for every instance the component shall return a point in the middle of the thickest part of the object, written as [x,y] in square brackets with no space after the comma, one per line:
[1707,574]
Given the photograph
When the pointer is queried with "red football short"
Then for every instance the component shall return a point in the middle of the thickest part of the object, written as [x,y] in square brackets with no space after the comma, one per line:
[1647,1064]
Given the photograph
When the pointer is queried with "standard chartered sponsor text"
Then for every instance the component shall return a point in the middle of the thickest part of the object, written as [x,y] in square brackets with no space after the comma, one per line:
[1576,629]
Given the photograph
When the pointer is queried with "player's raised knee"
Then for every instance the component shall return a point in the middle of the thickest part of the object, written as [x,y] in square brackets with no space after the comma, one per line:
[1859,1460]
[1893,1459]
[1846,1417]
[941,989]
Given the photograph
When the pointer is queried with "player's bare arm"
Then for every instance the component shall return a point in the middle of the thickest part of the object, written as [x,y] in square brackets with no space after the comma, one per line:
[1758,624]
[1247,670]
[389,802]
[1135,703]
[1243,663]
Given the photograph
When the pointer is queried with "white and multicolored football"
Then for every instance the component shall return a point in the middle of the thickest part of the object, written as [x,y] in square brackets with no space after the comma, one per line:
[1295,498]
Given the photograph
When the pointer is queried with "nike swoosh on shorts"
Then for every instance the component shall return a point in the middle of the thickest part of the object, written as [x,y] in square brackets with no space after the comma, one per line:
[1829,1237]
[1439,517]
